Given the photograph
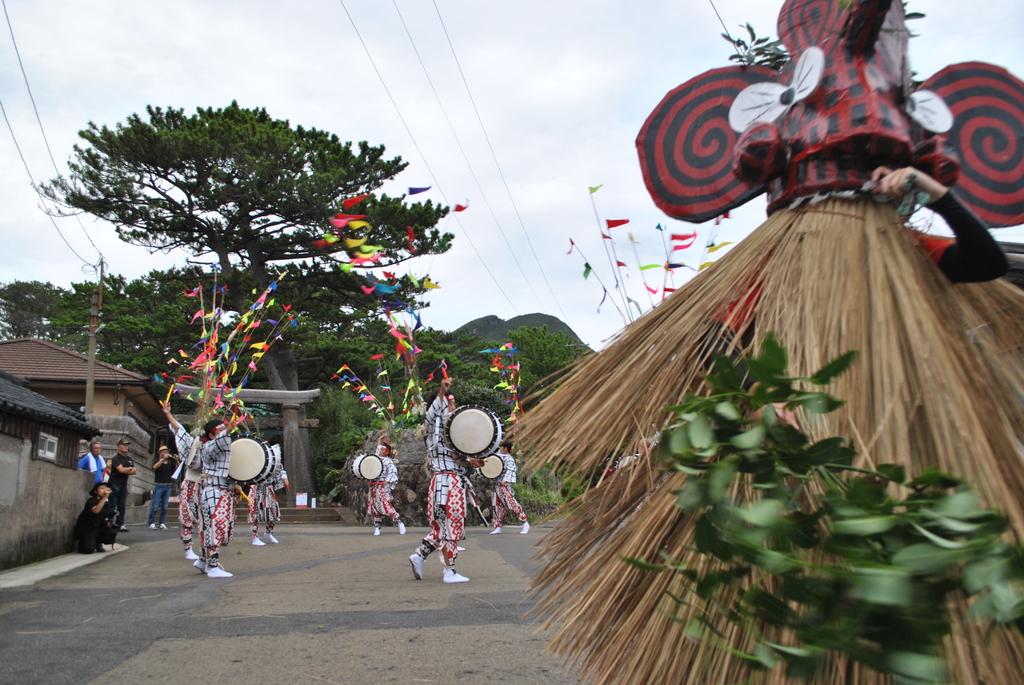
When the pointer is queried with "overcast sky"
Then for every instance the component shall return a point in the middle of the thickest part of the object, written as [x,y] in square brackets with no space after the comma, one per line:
[562,87]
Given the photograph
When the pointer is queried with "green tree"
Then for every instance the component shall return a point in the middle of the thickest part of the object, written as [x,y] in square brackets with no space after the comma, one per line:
[253,193]
[541,354]
[26,309]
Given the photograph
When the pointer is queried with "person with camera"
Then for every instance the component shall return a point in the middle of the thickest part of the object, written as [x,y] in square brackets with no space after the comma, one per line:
[163,477]
[97,524]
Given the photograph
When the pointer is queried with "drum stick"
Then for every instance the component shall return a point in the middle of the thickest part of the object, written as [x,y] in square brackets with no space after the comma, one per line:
[242,493]
[170,391]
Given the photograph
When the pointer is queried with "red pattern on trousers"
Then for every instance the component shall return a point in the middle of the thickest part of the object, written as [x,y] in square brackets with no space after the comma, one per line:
[218,519]
[378,503]
[188,512]
[505,502]
[446,531]
[263,507]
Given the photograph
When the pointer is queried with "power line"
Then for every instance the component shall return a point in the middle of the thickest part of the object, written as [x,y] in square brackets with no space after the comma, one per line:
[724,27]
[423,157]
[465,157]
[33,182]
[39,120]
[494,156]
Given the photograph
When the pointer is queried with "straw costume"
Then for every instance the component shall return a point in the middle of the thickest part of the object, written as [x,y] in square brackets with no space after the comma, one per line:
[938,379]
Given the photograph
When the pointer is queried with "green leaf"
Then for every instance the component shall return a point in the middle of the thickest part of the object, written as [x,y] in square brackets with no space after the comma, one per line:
[678,442]
[763,514]
[926,558]
[749,440]
[705,535]
[720,479]
[937,539]
[643,565]
[892,472]
[872,525]
[890,587]
[691,495]
[728,410]
[934,478]
[700,433]
[694,629]
[925,667]
[960,505]
[776,562]
[985,573]
[836,367]
[773,355]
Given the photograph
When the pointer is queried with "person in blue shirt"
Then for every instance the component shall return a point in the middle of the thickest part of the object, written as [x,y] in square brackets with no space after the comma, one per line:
[93,461]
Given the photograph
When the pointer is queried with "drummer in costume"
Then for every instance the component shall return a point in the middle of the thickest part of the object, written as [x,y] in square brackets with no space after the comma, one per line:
[217,494]
[830,139]
[188,496]
[446,508]
[504,497]
[263,505]
[379,500]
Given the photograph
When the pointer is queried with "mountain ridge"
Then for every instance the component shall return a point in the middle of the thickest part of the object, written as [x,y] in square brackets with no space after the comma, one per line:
[495,329]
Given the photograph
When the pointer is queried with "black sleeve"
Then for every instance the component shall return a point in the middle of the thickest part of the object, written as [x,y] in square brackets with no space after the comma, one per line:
[976,256]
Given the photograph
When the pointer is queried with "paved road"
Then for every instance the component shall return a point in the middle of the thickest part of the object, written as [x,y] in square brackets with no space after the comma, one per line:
[329,604]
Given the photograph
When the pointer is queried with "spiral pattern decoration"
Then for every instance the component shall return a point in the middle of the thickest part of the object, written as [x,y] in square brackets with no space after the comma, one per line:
[686,146]
[806,23]
[988,135]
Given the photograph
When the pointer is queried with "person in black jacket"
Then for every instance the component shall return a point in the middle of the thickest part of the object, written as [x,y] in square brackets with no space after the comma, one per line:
[96,525]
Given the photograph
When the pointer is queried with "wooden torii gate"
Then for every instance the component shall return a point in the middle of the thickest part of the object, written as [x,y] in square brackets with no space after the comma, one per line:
[295,448]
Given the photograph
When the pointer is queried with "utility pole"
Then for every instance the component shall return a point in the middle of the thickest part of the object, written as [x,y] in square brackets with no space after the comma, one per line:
[94,327]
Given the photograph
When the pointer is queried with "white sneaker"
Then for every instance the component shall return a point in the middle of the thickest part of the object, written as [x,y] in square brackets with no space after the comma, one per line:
[271,539]
[460,549]
[201,565]
[217,572]
[450,576]
[525,528]
[401,528]
[496,531]
[256,542]
[163,526]
[376,531]
[190,555]
[152,526]
[416,561]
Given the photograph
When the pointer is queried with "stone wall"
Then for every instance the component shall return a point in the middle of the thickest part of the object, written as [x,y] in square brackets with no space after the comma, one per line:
[410,493]
[39,503]
[140,486]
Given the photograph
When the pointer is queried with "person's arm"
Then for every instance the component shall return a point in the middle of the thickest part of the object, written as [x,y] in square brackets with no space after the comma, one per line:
[975,256]
[124,470]
[100,503]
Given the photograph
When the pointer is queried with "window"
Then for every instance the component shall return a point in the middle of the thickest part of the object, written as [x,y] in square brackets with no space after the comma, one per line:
[47,447]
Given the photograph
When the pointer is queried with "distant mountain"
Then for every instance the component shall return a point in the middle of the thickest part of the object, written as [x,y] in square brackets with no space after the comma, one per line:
[494,329]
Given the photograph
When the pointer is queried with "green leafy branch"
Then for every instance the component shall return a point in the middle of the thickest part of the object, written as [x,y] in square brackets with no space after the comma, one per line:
[813,556]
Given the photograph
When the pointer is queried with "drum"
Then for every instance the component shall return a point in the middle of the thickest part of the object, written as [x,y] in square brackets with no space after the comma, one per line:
[473,431]
[252,460]
[493,468]
[368,467]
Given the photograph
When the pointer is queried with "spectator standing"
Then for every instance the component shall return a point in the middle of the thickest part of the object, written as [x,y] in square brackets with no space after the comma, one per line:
[96,525]
[163,477]
[93,462]
[122,467]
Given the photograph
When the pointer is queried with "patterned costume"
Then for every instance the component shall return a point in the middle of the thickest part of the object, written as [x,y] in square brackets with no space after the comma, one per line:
[263,505]
[217,492]
[504,498]
[447,508]
[188,496]
[379,503]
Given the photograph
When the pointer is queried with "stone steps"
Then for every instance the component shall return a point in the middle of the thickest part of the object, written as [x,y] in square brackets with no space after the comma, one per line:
[340,515]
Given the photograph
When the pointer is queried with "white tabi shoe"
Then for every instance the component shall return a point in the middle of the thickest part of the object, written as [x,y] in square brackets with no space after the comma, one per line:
[376,531]
[163,526]
[256,542]
[401,528]
[460,549]
[218,572]
[190,555]
[525,529]
[200,565]
[496,531]
[450,576]
[416,561]
[271,539]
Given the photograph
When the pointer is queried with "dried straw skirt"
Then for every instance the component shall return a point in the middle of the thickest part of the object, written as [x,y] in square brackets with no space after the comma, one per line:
[938,382]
